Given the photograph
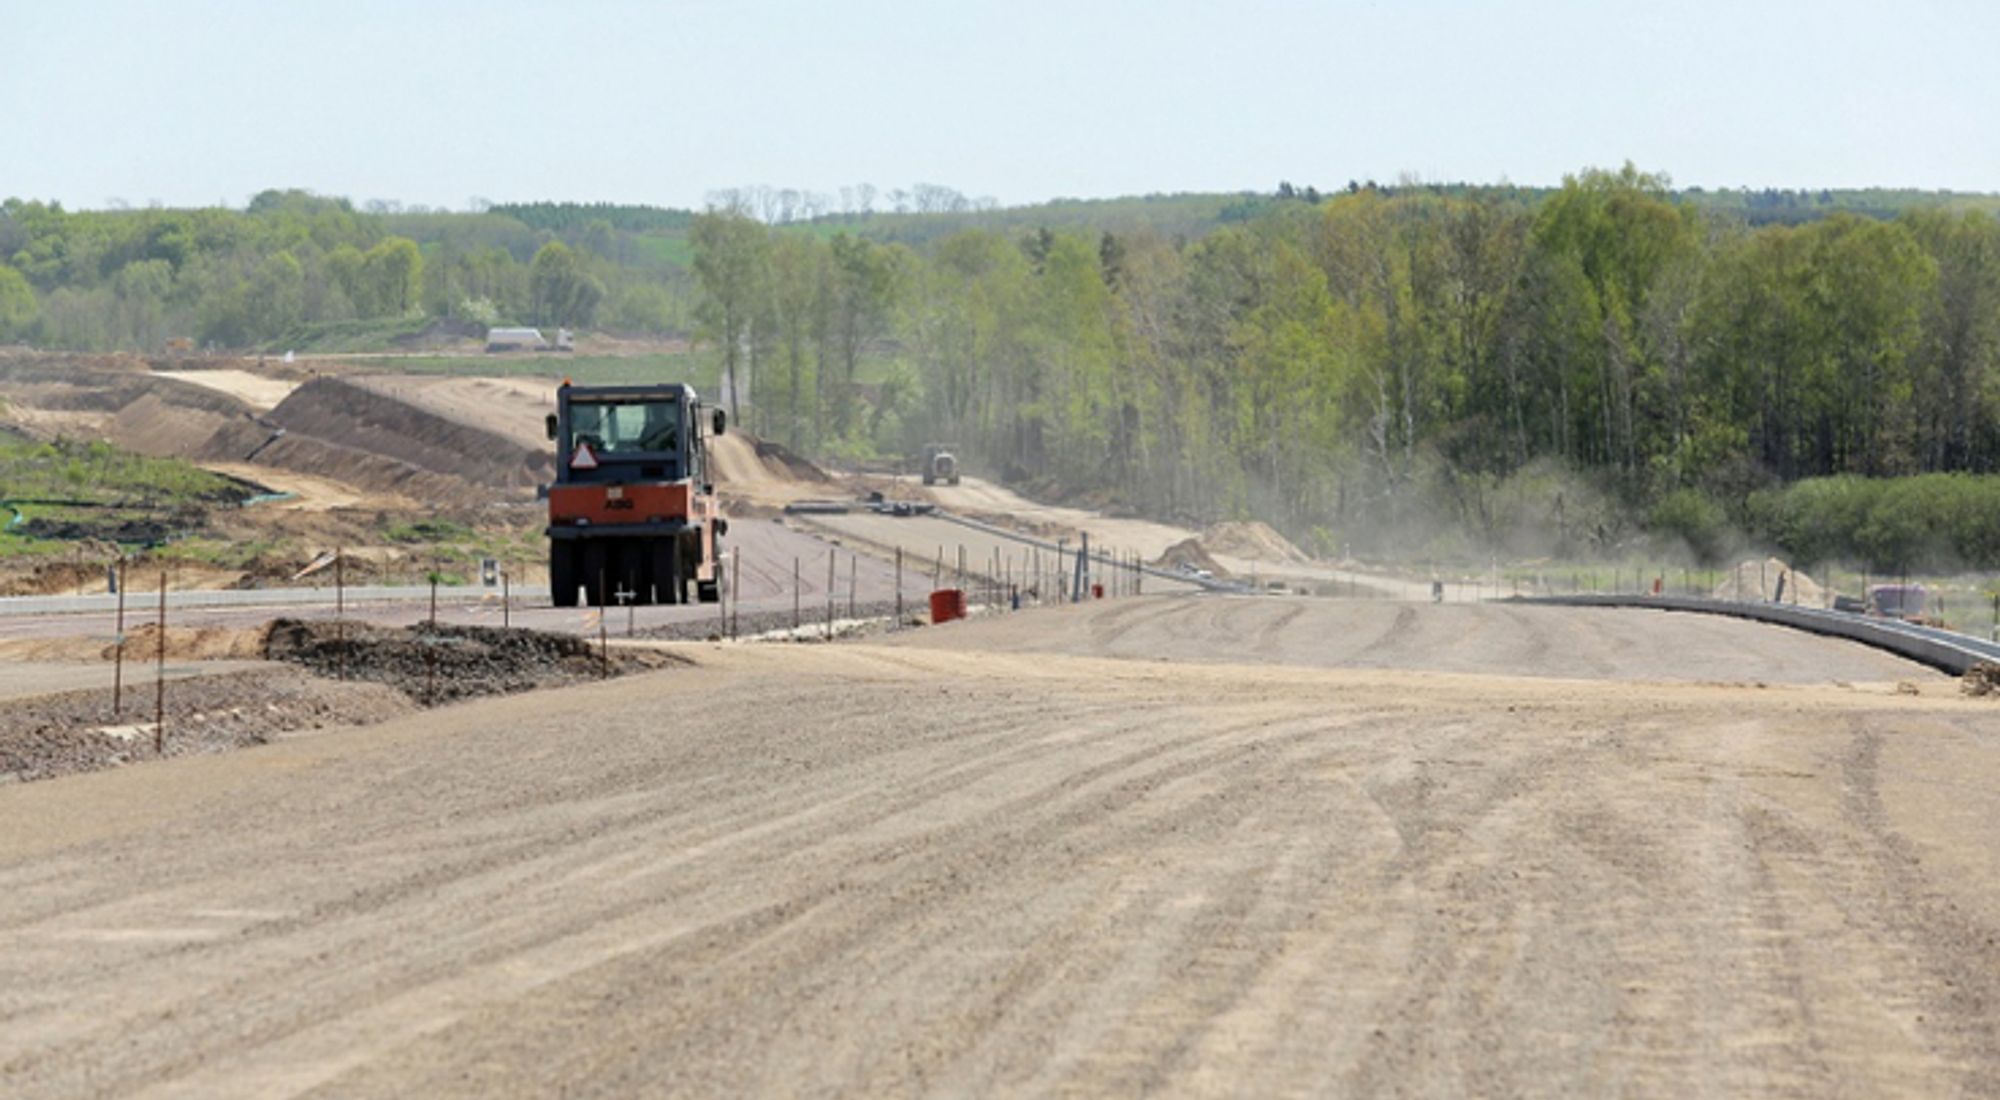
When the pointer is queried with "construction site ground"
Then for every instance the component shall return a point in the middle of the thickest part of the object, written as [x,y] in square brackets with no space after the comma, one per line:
[1179,843]
[997,858]
[26,679]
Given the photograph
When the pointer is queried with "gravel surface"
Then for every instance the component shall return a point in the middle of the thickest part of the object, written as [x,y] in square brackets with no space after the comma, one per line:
[445,662]
[322,674]
[972,867]
[76,731]
[1507,639]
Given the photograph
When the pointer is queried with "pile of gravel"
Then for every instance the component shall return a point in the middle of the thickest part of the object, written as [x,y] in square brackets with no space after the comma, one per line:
[79,731]
[433,664]
[1981,680]
[330,675]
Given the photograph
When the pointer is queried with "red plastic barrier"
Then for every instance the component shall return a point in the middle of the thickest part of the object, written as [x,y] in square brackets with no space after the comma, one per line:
[947,604]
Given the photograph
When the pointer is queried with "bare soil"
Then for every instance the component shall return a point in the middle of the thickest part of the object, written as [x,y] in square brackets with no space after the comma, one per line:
[1253,540]
[1190,554]
[971,866]
[259,390]
[1770,579]
[317,672]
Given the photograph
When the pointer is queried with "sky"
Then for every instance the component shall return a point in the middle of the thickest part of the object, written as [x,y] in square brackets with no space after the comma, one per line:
[197,102]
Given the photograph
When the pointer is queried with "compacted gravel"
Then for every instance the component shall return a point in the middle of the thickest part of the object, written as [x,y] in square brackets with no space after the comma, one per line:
[985,859]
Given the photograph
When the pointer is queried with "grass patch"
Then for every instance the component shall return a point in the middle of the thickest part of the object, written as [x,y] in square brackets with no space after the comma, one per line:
[58,493]
[98,473]
[22,547]
[217,552]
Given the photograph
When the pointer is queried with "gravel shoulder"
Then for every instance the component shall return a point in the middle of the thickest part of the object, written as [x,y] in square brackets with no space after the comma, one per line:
[963,867]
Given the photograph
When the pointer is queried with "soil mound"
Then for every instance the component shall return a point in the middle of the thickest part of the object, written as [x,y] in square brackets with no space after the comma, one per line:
[327,427]
[355,421]
[780,458]
[747,466]
[61,577]
[83,731]
[336,463]
[1981,680]
[259,391]
[1189,554]
[1254,540]
[433,664]
[510,407]
[1770,579]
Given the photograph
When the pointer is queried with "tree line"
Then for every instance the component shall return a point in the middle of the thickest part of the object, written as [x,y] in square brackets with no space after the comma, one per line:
[1377,364]
[292,267]
[1403,365]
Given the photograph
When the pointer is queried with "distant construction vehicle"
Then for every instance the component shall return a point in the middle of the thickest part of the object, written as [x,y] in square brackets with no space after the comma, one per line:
[633,517]
[527,339]
[1898,601]
[940,464]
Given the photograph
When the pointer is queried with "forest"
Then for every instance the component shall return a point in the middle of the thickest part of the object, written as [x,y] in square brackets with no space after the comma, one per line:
[1464,370]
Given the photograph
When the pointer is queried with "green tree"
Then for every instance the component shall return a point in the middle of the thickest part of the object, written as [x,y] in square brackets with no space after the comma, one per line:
[729,263]
[857,309]
[1869,287]
[561,291]
[18,309]
[143,290]
[798,301]
[343,268]
[1957,371]
[1622,232]
[392,274]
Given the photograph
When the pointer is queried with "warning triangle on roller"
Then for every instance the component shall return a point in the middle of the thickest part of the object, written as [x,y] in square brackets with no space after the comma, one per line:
[583,459]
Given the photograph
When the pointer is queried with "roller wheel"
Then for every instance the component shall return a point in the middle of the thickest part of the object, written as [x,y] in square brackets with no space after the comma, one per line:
[562,573]
[597,576]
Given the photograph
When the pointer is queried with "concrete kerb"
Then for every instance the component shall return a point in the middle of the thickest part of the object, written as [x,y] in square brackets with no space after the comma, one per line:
[1943,650]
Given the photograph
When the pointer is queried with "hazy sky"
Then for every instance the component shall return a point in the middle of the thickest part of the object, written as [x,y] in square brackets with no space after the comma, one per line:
[436,101]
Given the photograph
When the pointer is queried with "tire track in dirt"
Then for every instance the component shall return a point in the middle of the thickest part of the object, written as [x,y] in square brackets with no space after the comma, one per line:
[993,862]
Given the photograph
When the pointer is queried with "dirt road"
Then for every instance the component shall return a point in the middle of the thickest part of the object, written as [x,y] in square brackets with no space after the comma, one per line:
[950,869]
[1504,639]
